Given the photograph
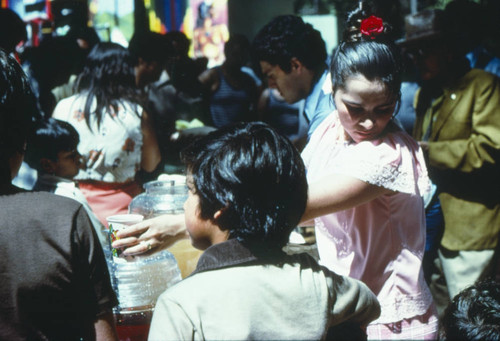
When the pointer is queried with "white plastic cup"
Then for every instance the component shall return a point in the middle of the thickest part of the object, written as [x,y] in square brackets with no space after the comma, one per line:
[119,222]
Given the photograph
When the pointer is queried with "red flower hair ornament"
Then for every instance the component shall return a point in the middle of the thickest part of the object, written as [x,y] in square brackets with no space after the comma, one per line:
[372,26]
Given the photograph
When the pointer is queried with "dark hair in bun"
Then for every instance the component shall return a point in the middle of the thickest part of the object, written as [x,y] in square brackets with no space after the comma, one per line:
[367,49]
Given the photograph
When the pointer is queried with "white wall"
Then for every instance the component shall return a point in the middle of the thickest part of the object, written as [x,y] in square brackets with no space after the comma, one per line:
[327,25]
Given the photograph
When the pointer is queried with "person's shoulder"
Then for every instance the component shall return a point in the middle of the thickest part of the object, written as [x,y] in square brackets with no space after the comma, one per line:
[479,82]
[393,147]
[337,284]
[187,292]
[65,105]
[41,211]
[326,133]
[493,66]
[248,79]
[330,121]
[480,76]
[47,200]
[306,261]
[209,75]
[71,99]
[251,73]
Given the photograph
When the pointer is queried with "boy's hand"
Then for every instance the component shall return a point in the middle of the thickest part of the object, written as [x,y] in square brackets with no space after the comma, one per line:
[151,235]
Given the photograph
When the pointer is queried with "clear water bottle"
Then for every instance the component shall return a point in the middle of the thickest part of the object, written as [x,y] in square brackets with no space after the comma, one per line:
[160,197]
[138,285]
[167,196]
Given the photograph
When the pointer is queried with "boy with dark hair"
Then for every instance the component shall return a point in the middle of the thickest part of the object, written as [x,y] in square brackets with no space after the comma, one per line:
[247,191]
[54,282]
[292,55]
[52,151]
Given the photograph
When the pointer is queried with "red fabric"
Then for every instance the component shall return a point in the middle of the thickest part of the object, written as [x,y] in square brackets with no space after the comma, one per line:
[108,199]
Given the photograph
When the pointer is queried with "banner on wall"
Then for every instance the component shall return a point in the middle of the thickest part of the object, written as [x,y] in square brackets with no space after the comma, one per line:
[210,29]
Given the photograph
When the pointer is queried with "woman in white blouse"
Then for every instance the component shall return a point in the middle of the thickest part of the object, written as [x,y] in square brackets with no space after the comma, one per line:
[116,135]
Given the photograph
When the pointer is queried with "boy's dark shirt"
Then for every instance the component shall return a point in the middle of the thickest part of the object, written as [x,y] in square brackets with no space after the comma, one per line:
[54,281]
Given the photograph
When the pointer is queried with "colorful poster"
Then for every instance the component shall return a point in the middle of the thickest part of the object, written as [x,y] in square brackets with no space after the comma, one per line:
[210,30]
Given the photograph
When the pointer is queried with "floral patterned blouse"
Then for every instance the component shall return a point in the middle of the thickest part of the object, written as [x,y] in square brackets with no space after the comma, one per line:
[112,152]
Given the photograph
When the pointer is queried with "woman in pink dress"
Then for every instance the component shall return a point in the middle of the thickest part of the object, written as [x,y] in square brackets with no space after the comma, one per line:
[367,178]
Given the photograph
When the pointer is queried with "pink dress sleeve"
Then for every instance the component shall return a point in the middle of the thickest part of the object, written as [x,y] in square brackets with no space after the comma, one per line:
[393,161]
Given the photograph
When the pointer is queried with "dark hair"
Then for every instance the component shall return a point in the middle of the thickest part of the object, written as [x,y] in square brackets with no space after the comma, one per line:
[376,58]
[237,49]
[108,77]
[12,29]
[473,314]
[236,42]
[255,176]
[52,64]
[179,42]
[47,138]
[17,109]
[150,46]
[86,33]
[286,37]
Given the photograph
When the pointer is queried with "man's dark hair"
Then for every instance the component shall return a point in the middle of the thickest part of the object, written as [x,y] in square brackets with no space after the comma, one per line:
[150,46]
[237,49]
[286,37]
[179,41]
[236,42]
[47,138]
[17,109]
[256,178]
[474,314]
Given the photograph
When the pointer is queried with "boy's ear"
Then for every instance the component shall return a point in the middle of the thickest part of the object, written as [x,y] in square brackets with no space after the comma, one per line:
[48,166]
[296,64]
[218,214]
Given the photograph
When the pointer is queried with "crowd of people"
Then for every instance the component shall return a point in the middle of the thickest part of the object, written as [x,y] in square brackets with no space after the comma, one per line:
[406,212]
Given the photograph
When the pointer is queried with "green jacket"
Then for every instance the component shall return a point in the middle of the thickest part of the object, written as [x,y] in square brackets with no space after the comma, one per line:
[464,160]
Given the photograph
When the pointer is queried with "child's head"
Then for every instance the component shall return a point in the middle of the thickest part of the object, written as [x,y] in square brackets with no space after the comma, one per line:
[474,314]
[249,182]
[52,148]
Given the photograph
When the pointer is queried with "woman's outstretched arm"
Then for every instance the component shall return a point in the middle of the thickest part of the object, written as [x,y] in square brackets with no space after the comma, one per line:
[338,192]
